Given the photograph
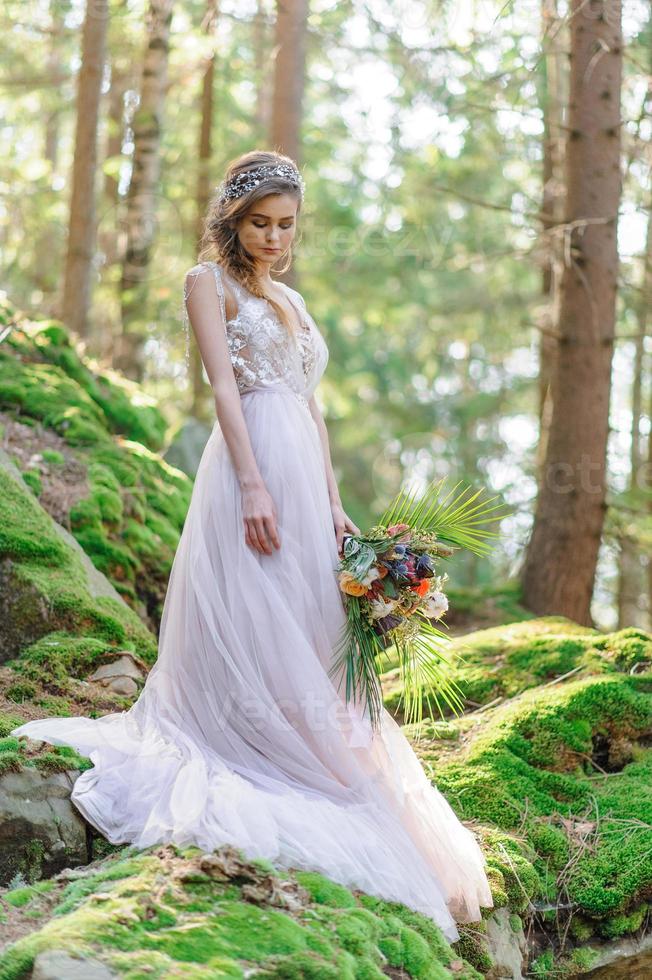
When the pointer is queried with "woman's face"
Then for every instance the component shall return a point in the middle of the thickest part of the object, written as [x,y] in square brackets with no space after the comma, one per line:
[267,229]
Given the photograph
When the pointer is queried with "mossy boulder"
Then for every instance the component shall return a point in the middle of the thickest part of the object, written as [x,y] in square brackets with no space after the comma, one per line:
[87,444]
[501,662]
[567,772]
[176,910]
[46,587]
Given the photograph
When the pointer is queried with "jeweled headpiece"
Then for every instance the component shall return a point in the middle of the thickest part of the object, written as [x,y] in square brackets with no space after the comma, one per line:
[248,179]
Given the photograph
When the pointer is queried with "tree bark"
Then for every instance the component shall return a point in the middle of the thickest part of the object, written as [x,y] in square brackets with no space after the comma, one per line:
[554,101]
[81,229]
[261,49]
[143,186]
[199,408]
[289,84]
[559,569]
[631,588]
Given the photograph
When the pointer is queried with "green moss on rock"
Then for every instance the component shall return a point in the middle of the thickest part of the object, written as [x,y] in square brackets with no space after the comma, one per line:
[115,431]
[506,660]
[144,908]
[531,769]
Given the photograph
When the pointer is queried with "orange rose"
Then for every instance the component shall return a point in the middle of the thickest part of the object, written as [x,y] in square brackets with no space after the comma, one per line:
[350,585]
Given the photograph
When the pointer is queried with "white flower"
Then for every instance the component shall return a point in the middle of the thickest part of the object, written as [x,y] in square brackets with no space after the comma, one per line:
[371,576]
[381,607]
[436,605]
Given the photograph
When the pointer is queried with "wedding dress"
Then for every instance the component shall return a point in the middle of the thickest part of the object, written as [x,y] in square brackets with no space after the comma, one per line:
[240,735]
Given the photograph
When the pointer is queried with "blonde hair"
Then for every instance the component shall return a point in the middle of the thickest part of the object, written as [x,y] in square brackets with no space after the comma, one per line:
[220,241]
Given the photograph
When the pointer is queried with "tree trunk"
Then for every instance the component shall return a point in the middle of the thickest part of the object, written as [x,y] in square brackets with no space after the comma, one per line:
[81,228]
[143,187]
[109,224]
[559,568]
[630,566]
[199,408]
[554,99]
[289,83]
[54,70]
[260,43]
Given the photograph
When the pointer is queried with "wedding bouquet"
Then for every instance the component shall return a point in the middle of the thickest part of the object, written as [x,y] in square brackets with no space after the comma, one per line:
[393,590]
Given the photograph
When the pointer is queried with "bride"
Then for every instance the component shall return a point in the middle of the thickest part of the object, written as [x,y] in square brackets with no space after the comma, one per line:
[240,735]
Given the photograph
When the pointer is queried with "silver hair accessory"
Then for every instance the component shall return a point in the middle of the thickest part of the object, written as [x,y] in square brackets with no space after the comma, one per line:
[248,179]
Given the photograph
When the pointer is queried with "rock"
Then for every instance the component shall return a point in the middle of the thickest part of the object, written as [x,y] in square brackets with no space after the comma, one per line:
[119,675]
[507,946]
[187,447]
[96,583]
[625,959]
[26,612]
[41,831]
[56,964]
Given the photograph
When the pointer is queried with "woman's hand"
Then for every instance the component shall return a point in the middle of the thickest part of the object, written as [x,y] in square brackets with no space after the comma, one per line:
[259,515]
[341,524]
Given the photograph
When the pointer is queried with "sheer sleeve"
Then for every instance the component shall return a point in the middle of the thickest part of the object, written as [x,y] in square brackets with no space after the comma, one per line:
[189,282]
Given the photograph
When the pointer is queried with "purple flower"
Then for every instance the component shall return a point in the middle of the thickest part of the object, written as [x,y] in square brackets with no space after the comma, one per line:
[387,623]
[424,567]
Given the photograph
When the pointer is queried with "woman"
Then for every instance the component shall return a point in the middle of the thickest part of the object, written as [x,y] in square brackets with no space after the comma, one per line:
[240,734]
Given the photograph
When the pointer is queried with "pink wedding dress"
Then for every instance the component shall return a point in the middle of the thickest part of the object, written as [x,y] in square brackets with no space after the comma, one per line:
[239,735]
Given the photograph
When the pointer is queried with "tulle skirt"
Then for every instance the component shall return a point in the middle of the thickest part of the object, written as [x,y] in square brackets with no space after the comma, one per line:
[240,736]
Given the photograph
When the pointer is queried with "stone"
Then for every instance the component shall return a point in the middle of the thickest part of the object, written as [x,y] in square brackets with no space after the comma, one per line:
[57,964]
[41,831]
[624,959]
[506,946]
[185,450]
[25,613]
[120,675]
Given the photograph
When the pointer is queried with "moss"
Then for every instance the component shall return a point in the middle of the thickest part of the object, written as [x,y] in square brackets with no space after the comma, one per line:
[31,866]
[60,655]
[136,910]
[125,408]
[408,951]
[530,769]
[10,758]
[114,429]
[19,897]
[53,457]
[61,758]
[48,585]
[33,481]
[505,660]
[513,878]
[306,965]
[323,891]
[622,925]
[20,691]
[580,928]
[515,923]
[58,758]
[8,723]
[472,945]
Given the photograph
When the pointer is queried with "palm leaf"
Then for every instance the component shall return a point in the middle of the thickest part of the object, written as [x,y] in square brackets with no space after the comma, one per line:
[454,521]
[425,665]
[356,655]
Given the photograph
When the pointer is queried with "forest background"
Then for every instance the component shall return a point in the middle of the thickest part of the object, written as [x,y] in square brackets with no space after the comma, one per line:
[475,241]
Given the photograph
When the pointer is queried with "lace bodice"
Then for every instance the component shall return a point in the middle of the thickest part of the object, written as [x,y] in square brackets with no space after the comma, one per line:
[263,352]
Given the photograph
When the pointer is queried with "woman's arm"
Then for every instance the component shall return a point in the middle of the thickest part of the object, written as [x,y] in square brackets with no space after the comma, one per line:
[209,328]
[341,521]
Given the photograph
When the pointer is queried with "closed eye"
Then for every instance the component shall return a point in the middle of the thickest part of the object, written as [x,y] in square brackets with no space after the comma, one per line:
[256,225]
